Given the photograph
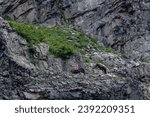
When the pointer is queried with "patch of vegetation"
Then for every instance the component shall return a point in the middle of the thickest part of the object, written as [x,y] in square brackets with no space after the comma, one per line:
[63,41]
[103,48]
[56,38]
[92,43]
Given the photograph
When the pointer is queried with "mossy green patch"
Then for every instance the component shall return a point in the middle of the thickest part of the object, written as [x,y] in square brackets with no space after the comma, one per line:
[63,41]
[56,38]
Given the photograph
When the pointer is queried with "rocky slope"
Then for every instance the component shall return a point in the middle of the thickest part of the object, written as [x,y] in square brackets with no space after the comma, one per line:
[119,24]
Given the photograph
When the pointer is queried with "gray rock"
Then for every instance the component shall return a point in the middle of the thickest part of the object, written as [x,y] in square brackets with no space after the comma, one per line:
[122,25]
[14,54]
[31,96]
[42,50]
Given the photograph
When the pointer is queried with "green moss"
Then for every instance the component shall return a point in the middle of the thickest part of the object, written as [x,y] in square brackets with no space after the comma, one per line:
[56,38]
[63,42]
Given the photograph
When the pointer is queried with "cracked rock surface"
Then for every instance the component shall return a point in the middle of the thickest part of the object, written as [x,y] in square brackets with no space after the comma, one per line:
[119,24]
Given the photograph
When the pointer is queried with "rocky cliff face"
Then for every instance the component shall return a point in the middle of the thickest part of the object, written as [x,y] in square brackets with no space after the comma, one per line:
[119,24]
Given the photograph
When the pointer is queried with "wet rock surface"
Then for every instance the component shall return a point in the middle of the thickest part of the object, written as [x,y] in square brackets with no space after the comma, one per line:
[122,25]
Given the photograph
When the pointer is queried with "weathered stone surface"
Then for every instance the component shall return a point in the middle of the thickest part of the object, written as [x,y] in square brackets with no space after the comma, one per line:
[121,24]
[13,49]
[42,50]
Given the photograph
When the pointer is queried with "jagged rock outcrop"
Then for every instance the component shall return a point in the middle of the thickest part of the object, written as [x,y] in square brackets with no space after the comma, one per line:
[52,78]
[120,24]
[13,49]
